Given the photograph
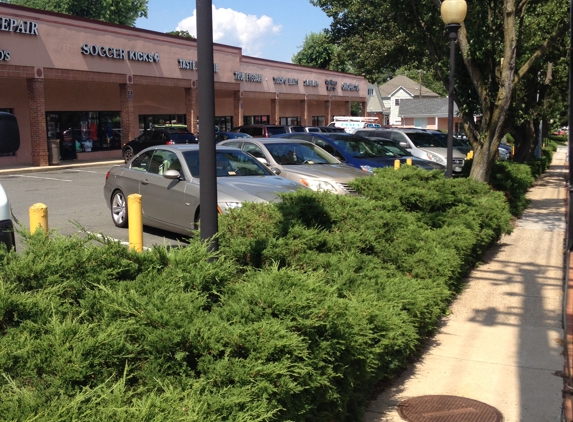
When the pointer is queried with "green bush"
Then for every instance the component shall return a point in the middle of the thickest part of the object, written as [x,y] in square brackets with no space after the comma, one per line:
[307,305]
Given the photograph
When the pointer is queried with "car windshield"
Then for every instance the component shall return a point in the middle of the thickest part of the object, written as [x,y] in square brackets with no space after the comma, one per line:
[229,163]
[360,147]
[425,140]
[295,153]
[392,146]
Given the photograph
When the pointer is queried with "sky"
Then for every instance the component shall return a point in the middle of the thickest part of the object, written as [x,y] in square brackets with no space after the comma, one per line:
[268,29]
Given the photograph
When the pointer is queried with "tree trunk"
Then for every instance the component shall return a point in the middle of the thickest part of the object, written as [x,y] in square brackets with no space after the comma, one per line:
[485,154]
[524,145]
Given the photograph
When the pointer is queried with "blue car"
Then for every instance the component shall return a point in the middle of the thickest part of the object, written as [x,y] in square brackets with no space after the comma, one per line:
[353,150]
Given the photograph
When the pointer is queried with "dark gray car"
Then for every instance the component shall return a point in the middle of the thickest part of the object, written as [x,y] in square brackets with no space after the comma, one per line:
[167,178]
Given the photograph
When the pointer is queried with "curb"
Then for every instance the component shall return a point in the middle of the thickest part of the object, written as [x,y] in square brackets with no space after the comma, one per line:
[15,170]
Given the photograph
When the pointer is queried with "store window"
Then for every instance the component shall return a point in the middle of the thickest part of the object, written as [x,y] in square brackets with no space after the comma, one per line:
[147,121]
[290,121]
[84,131]
[318,121]
[224,123]
[256,120]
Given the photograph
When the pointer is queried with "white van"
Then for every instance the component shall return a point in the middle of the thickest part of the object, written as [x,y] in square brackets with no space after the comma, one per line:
[352,123]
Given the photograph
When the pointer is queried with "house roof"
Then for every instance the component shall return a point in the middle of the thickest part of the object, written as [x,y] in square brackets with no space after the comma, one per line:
[401,81]
[425,107]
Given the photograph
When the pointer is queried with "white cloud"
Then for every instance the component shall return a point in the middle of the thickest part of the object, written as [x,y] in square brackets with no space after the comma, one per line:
[235,28]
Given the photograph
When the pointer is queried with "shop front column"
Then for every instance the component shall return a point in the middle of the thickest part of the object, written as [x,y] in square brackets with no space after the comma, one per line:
[347,107]
[275,111]
[192,109]
[237,108]
[327,112]
[38,133]
[129,121]
[304,121]
[364,106]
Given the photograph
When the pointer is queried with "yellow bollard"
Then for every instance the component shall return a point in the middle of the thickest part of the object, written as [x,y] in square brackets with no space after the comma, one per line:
[512,151]
[38,217]
[409,161]
[396,164]
[135,227]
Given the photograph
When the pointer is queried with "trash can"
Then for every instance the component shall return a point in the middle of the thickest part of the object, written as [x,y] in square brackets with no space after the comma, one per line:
[54,151]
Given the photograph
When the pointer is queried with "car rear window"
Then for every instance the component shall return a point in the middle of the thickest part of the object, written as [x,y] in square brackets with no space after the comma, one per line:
[182,138]
[276,130]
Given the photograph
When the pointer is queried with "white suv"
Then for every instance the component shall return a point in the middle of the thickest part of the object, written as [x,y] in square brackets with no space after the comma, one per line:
[421,144]
[9,142]
[6,225]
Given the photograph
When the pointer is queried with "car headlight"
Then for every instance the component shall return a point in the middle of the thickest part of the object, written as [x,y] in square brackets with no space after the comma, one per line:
[435,157]
[368,169]
[226,206]
[318,185]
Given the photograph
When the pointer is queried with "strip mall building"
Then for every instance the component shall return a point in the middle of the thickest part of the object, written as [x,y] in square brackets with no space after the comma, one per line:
[86,87]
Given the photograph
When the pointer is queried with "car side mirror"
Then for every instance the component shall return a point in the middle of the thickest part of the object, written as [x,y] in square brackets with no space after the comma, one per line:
[172,174]
[276,170]
[263,161]
[404,145]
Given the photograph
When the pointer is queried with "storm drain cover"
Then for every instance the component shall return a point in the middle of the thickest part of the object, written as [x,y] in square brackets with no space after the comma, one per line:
[447,409]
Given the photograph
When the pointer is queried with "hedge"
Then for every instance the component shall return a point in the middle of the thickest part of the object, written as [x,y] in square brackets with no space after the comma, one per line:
[305,307]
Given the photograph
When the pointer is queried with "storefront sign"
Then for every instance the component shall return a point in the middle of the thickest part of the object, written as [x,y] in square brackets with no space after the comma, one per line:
[285,81]
[330,84]
[308,82]
[118,53]
[109,52]
[350,87]
[248,77]
[4,55]
[138,56]
[21,27]
[192,65]
[187,64]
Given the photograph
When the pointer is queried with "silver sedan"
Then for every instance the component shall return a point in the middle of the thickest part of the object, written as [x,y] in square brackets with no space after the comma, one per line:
[302,162]
[167,178]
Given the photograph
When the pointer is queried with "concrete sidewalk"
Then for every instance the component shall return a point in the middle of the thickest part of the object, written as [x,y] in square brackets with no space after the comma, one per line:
[502,343]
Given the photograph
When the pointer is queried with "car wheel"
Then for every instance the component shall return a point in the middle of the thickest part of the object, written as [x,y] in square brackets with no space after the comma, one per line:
[119,209]
[127,154]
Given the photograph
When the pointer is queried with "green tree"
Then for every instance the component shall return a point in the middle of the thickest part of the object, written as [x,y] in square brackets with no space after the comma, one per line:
[501,45]
[318,50]
[184,34]
[124,12]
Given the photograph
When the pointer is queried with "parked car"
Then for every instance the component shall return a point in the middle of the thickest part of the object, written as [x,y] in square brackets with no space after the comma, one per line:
[223,136]
[261,130]
[331,129]
[6,224]
[167,177]
[423,145]
[355,151]
[158,135]
[403,153]
[9,143]
[297,128]
[302,162]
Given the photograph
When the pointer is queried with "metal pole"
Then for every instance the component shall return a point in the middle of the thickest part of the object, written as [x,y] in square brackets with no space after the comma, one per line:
[453,34]
[207,170]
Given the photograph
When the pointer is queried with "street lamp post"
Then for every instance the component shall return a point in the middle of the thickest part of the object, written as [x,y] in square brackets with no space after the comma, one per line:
[207,152]
[453,14]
